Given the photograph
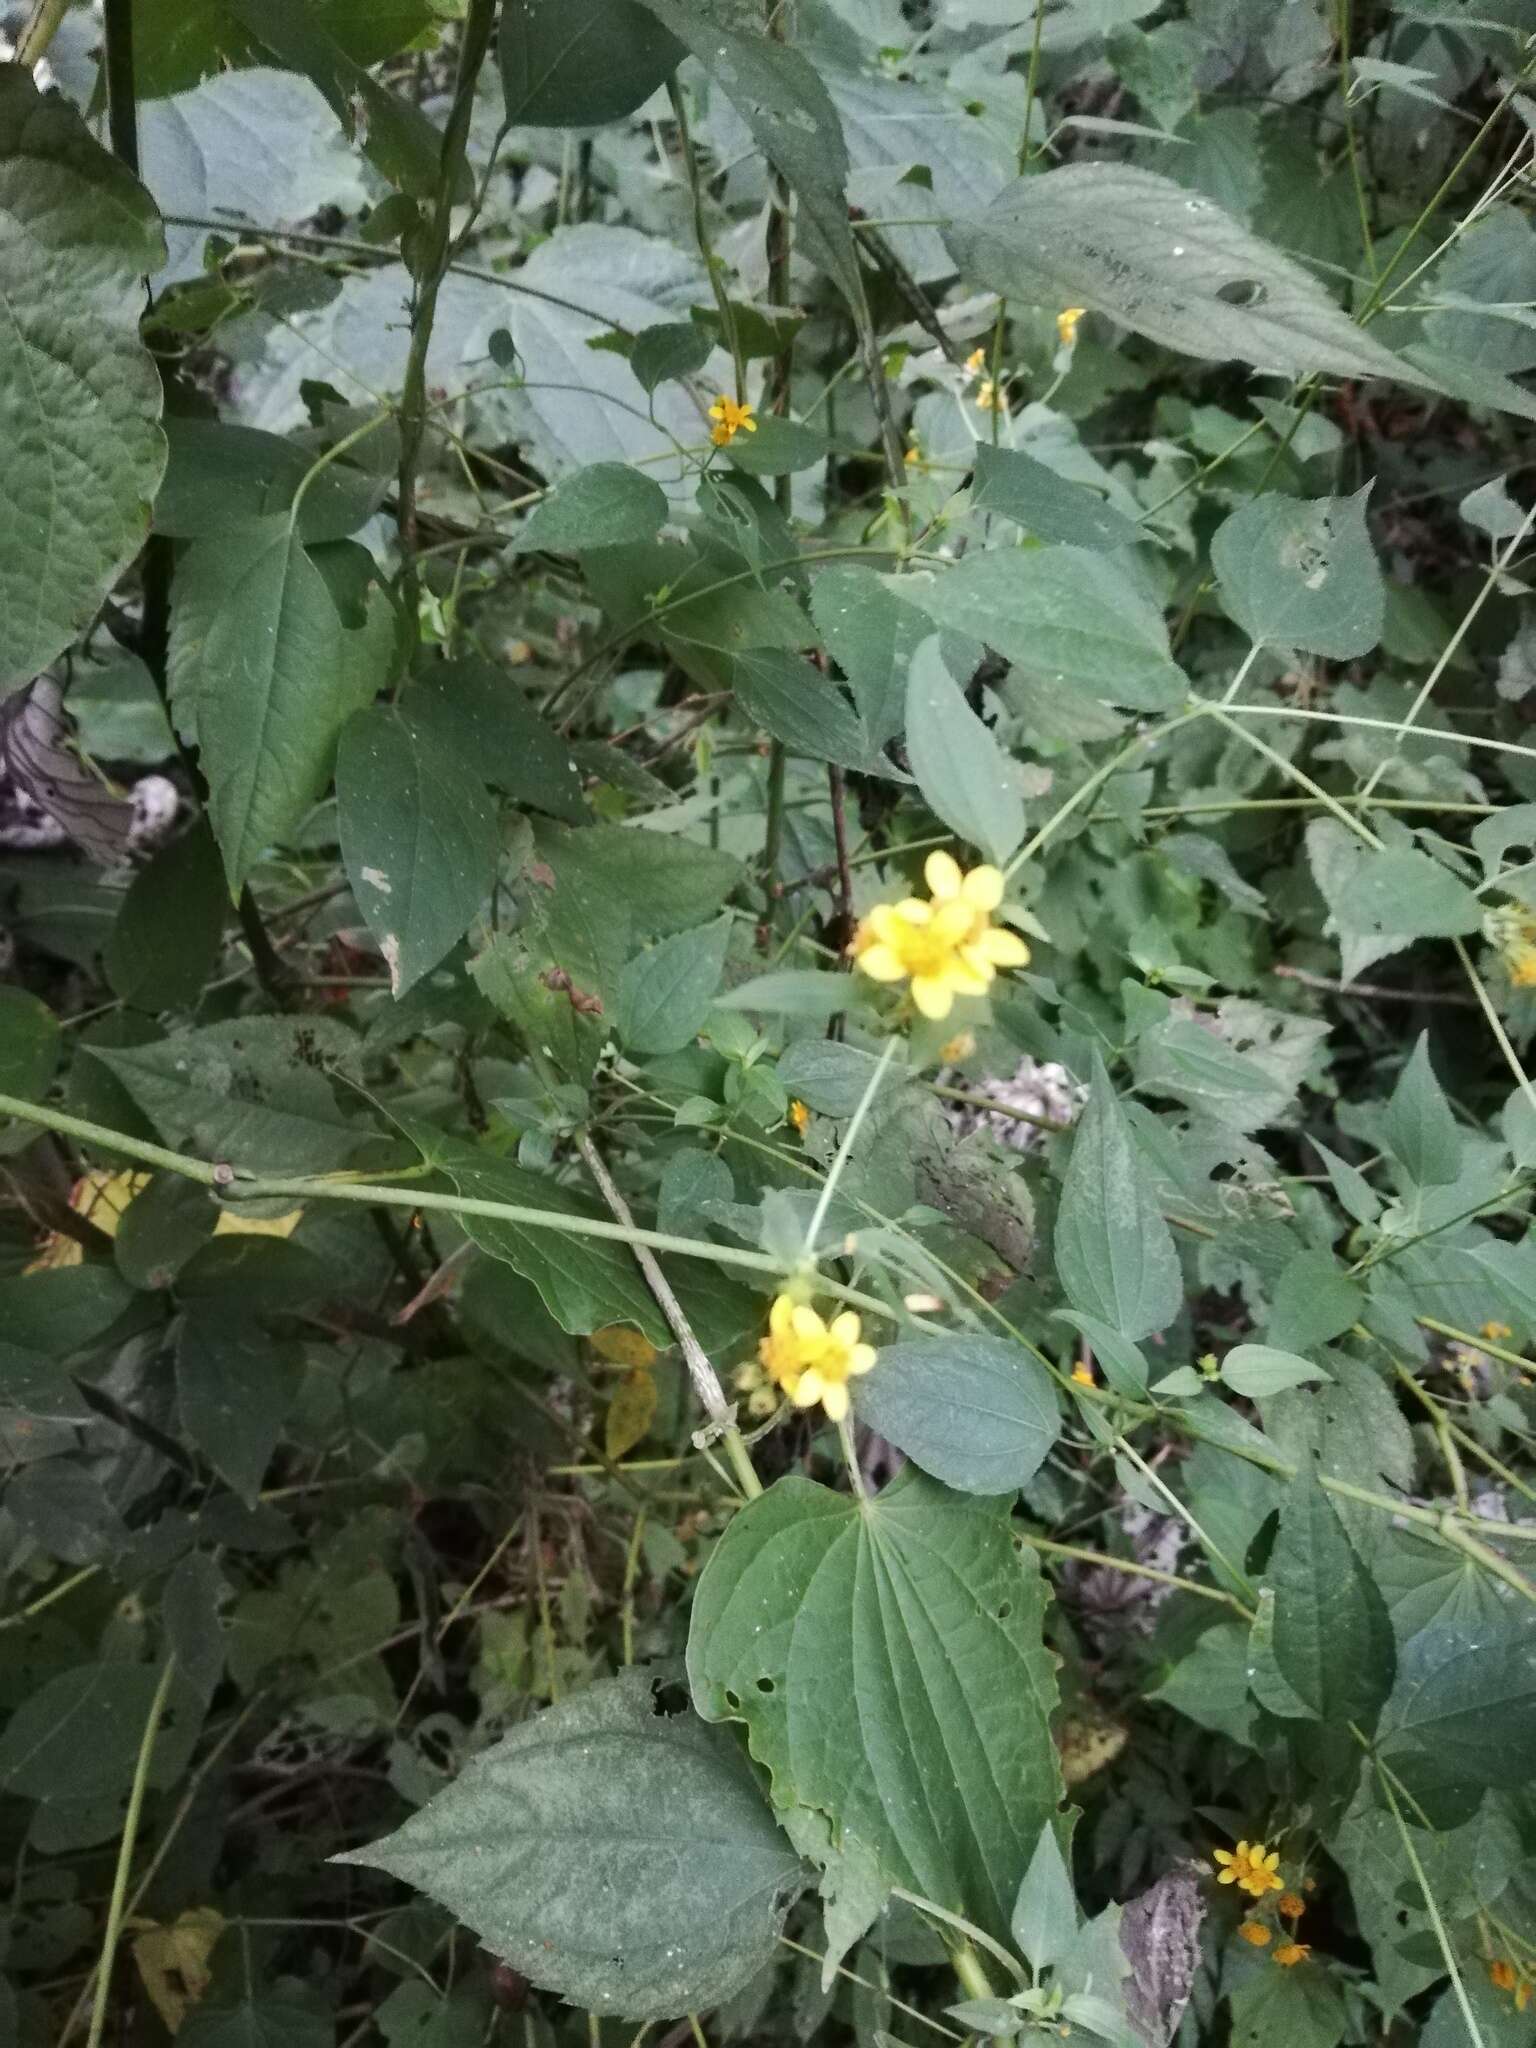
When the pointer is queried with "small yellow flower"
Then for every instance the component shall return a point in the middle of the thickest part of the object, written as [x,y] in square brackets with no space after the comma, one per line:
[1251,1866]
[1290,1953]
[813,1360]
[946,947]
[958,1048]
[913,457]
[1083,1374]
[1521,962]
[1067,322]
[730,420]
[1256,1932]
[1291,1906]
[976,362]
[989,398]
[1496,1333]
[1502,1972]
[799,1115]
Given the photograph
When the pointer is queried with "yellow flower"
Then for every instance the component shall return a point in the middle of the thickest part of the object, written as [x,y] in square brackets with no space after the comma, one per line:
[1083,1374]
[1256,1932]
[989,398]
[976,361]
[1521,962]
[812,1360]
[799,1115]
[1067,324]
[1503,1974]
[1251,1866]
[958,1048]
[1496,1333]
[913,457]
[1290,1953]
[730,420]
[946,947]
[1291,1906]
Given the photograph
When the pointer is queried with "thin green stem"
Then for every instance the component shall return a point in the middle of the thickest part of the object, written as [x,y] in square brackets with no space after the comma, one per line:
[117,1902]
[1447,1952]
[850,1136]
[117,73]
[723,306]
[970,1932]
[1050,1548]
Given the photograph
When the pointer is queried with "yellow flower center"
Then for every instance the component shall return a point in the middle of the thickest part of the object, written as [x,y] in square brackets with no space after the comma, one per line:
[730,420]
[945,947]
[813,1360]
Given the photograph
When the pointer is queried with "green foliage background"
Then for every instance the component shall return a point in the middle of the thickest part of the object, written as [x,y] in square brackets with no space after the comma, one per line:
[412,1628]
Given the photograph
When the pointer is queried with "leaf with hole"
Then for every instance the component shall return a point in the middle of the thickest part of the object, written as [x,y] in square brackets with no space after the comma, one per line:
[1300,572]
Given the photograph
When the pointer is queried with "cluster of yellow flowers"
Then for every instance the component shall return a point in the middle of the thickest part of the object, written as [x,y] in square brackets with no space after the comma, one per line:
[945,947]
[1511,930]
[730,420]
[1255,1870]
[810,1359]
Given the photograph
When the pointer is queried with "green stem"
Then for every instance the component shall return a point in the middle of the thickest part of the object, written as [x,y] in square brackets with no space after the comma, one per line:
[723,305]
[1105,1562]
[116,1905]
[117,72]
[40,30]
[971,1971]
[1446,1950]
[474,42]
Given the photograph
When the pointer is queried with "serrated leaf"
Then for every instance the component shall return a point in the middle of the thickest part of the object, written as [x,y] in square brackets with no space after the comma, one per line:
[795,992]
[827,1076]
[1067,616]
[605,505]
[977,1413]
[266,671]
[80,398]
[1381,900]
[872,637]
[221,477]
[898,1622]
[1051,507]
[481,714]
[1168,263]
[800,707]
[1331,1635]
[666,993]
[666,883]
[1115,1255]
[579,63]
[1300,572]
[418,839]
[612,1850]
[1420,1131]
[964,775]
[1258,1370]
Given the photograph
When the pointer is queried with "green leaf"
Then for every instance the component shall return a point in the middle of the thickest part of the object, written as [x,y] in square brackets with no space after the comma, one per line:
[579,63]
[77,1736]
[613,1849]
[1124,1365]
[178,42]
[1167,263]
[1380,901]
[222,477]
[418,837]
[886,1657]
[396,136]
[1045,1912]
[265,669]
[1313,1301]
[1300,573]
[794,992]
[1114,1253]
[1304,2008]
[800,706]
[1051,507]
[1258,1370]
[778,448]
[282,2016]
[665,994]
[779,94]
[164,1226]
[1465,1699]
[666,883]
[671,352]
[1420,1131]
[570,1037]
[481,714]
[29,1045]
[1331,1634]
[169,932]
[975,1412]
[1068,616]
[234,1388]
[80,398]
[255,1091]
[827,1076]
[872,637]
[604,505]
[964,775]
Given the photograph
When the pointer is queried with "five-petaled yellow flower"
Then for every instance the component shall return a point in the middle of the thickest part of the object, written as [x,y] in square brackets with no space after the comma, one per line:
[812,1360]
[730,420]
[947,947]
[1290,1953]
[1067,321]
[1252,1866]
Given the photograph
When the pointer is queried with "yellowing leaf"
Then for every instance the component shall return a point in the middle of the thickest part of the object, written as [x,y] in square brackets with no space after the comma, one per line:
[100,1197]
[630,1412]
[622,1344]
[231,1225]
[1087,1742]
[173,1961]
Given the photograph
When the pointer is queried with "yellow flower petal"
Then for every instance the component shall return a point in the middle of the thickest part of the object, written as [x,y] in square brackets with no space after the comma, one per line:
[882,963]
[913,910]
[780,1314]
[807,1325]
[834,1400]
[845,1327]
[983,888]
[862,1358]
[932,995]
[808,1390]
[1003,947]
[941,871]
[969,976]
